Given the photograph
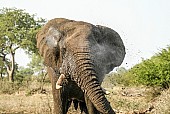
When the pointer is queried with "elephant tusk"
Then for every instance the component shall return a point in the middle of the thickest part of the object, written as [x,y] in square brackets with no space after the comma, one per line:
[59,81]
[105,91]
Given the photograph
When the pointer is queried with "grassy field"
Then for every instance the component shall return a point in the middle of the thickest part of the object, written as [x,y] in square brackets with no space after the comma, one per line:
[125,100]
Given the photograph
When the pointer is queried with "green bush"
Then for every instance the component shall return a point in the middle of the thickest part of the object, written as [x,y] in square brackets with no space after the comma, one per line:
[151,72]
[121,77]
[23,74]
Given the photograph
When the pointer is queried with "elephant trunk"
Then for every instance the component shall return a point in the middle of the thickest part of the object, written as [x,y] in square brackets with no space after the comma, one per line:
[87,80]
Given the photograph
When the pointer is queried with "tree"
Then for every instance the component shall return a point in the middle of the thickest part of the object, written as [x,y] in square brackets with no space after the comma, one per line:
[39,68]
[18,30]
[36,63]
[1,68]
[24,74]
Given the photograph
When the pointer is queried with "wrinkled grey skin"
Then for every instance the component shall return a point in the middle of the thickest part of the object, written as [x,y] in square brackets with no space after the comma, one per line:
[84,53]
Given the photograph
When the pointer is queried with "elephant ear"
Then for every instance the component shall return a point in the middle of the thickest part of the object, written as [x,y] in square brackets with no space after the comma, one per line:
[109,49]
[48,40]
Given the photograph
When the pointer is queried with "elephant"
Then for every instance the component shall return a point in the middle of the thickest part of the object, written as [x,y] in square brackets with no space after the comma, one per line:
[84,53]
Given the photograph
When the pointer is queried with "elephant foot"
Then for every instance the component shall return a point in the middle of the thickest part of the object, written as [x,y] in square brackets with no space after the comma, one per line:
[59,81]
[105,91]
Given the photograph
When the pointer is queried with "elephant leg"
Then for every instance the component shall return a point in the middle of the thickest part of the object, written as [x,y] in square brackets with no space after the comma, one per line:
[57,94]
[83,108]
[65,102]
[90,107]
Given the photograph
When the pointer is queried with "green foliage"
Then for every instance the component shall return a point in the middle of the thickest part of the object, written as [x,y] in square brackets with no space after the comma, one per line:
[18,29]
[126,79]
[151,72]
[36,63]
[24,74]
[2,68]
[115,78]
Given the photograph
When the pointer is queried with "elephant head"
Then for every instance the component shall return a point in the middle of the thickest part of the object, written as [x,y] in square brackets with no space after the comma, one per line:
[85,53]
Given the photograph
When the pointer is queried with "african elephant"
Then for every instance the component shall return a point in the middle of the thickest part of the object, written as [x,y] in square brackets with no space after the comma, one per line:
[84,53]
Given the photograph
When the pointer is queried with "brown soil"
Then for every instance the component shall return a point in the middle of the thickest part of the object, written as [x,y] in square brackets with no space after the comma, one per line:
[134,100]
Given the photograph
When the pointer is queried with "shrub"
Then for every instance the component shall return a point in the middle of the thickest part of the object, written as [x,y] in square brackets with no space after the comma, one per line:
[151,72]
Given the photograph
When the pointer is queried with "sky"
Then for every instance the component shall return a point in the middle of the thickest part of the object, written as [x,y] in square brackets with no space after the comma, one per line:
[144,25]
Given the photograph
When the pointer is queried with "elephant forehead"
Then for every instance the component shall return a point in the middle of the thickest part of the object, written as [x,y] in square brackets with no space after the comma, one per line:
[79,38]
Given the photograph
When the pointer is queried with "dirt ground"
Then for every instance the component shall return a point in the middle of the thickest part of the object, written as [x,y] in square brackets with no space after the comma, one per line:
[134,100]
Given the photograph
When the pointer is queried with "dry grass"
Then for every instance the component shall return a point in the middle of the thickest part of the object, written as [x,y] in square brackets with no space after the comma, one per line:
[162,103]
[139,100]
[36,104]
[127,100]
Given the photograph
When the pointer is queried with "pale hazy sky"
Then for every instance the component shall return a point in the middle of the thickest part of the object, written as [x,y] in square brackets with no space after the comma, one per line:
[144,25]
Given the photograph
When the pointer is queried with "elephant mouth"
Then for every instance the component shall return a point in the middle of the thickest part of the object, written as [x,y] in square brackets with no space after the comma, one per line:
[74,92]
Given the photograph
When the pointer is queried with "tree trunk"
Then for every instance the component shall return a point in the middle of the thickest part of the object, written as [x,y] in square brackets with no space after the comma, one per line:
[11,69]
[11,76]
[42,82]
[1,75]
